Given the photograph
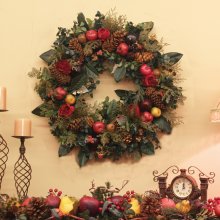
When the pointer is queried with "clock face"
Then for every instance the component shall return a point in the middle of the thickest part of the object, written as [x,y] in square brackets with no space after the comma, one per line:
[182,187]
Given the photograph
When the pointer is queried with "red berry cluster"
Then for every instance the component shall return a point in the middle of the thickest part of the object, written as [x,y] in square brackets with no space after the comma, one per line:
[55,192]
[129,195]
[211,203]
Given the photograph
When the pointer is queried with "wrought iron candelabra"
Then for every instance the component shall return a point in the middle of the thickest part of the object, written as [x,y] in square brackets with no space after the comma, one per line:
[4,150]
[22,170]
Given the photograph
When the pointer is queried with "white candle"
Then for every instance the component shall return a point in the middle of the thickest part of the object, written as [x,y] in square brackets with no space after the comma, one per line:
[3,98]
[22,127]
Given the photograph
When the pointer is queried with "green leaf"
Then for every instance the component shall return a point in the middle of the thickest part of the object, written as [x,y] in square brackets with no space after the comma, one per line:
[37,111]
[122,94]
[163,124]
[90,72]
[119,73]
[171,58]
[48,56]
[64,150]
[82,158]
[105,206]
[147,148]
[81,20]
[78,81]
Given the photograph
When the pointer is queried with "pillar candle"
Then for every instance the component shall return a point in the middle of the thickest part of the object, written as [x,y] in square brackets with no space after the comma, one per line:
[2,98]
[22,127]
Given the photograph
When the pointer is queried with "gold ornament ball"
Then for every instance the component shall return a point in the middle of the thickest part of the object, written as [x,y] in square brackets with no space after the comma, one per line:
[70,99]
[81,38]
[156,112]
[110,127]
[156,72]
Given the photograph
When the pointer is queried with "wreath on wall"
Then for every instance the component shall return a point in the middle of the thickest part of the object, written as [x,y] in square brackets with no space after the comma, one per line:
[129,126]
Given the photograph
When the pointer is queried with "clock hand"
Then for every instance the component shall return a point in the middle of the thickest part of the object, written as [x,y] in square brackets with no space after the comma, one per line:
[183,186]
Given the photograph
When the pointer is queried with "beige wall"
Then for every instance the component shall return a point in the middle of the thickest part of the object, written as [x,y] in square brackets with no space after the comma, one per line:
[28,28]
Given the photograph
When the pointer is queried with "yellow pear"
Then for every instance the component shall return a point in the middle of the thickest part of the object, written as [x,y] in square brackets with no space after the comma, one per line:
[135,206]
[68,204]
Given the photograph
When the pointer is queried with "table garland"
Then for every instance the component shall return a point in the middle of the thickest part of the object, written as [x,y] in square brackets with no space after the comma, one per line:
[107,203]
[113,128]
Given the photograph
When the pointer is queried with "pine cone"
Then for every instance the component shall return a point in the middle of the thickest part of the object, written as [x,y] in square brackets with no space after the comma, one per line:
[60,77]
[108,45]
[38,210]
[142,57]
[157,100]
[90,121]
[151,205]
[76,124]
[126,138]
[149,91]
[118,37]
[77,47]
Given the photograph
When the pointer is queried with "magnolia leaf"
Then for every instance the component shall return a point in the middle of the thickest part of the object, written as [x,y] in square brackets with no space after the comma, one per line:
[48,56]
[81,20]
[119,73]
[64,150]
[123,94]
[147,148]
[37,111]
[115,212]
[146,28]
[171,58]
[55,214]
[78,81]
[105,206]
[90,72]
[163,124]
[82,158]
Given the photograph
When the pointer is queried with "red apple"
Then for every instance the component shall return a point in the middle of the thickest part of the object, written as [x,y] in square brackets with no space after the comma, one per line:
[122,49]
[98,127]
[26,202]
[217,210]
[91,35]
[147,117]
[53,201]
[167,203]
[134,110]
[145,105]
[146,70]
[59,93]
[89,203]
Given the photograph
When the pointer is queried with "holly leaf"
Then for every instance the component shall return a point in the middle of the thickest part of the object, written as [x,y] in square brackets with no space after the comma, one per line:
[171,58]
[163,124]
[48,56]
[37,111]
[82,158]
[119,73]
[64,150]
[147,148]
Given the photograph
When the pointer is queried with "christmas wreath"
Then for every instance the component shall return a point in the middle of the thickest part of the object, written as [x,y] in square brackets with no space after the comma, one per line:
[113,128]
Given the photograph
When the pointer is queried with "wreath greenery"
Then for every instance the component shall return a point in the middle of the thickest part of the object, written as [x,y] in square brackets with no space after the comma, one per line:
[129,126]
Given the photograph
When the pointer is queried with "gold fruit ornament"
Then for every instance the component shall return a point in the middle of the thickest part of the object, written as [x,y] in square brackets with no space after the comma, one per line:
[110,127]
[135,206]
[183,206]
[156,112]
[68,204]
[70,99]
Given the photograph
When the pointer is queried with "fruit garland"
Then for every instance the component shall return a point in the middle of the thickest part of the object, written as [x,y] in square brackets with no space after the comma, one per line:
[113,128]
[105,203]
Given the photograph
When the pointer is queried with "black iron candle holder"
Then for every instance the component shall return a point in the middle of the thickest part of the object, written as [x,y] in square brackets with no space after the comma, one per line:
[4,150]
[22,170]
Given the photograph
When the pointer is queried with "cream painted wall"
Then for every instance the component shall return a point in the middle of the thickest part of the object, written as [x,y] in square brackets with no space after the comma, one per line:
[28,28]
